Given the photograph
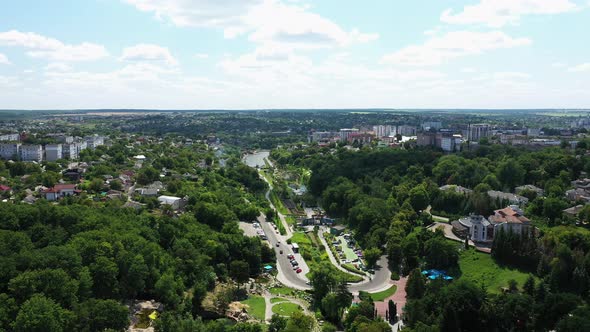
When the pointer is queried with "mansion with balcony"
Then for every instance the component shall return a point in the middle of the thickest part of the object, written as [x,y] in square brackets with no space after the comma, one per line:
[481,229]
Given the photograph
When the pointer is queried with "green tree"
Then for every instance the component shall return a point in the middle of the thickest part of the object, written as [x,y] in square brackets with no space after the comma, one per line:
[169,290]
[277,323]
[419,198]
[416,285]
[372,255]
[99,315]
[323,280]
[239,271]
[510,173]
[40,314]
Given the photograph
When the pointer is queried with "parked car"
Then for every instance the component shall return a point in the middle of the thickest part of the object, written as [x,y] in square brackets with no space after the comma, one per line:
[295,267]
[278,244]
[281,252]
[298,270]
[290,256]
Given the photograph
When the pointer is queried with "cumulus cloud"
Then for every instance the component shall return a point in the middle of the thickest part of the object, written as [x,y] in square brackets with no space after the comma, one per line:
[50,48]
[498,13]
[440,49]
[580,68]
[58,66]
[292,26]
[4,59]
[148,53]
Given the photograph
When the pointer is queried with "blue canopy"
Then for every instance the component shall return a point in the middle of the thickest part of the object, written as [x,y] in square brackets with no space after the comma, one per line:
[268,267]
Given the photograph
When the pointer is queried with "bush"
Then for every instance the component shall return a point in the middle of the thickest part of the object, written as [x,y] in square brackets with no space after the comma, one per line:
[288,241]
[306,255]
[394,276]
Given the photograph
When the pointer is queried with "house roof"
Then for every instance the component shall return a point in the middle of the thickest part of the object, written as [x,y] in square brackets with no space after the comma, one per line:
[508,215]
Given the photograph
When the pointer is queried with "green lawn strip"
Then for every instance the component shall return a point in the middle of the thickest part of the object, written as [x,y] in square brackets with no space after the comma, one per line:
[308,250]
[352,268]
[281,291]
[257,307]
[380,296]
[481,268]
[278,299]
[286,308]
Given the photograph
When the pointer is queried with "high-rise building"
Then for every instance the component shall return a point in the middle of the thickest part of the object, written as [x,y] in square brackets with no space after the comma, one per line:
[10,137]
[478,131]
[383,130]
[53,152]
[406,130]
[10,151]
[31,152]
[437,125]
[346,132]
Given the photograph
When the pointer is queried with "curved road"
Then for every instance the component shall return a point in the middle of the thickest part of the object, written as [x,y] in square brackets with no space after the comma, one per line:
[287,276]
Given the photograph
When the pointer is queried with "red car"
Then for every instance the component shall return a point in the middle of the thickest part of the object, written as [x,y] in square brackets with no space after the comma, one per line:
[290,256]
[298,270]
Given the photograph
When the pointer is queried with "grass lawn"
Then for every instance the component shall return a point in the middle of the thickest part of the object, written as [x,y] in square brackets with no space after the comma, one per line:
[277,299]
[285,308]
[481,268]
[380,296]
[257,307]
[310,246]
[281,291]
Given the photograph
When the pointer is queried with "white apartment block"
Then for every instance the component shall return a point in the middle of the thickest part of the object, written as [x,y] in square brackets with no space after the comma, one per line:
[9,151]
[31,152]
[9,137]
[478,131]
[53,152]
[94,141]
[383,130]
[70,151]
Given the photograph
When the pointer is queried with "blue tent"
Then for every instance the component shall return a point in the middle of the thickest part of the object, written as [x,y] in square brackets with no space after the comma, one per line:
[268,267]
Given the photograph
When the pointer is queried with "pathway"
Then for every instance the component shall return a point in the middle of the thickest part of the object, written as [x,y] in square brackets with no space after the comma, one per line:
[331,255]
[448,232]
[268,308]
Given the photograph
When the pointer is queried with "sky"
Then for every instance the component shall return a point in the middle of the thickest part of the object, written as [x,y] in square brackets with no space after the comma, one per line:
[261,54]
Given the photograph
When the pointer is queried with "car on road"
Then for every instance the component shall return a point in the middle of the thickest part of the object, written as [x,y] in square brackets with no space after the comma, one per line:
[278,244]
[281,252]
[295,268]
[290,256]
[294,262]
[298,270]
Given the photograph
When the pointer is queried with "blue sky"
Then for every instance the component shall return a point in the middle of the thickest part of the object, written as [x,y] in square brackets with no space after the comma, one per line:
[238,54]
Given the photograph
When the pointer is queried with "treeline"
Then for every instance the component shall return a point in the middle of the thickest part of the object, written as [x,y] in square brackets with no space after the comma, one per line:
[69,267]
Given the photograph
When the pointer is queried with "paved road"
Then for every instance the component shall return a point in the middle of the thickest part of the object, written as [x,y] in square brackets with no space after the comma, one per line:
[286,275]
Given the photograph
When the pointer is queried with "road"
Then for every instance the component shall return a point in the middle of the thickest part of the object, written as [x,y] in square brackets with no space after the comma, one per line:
[286,275]
[379,281]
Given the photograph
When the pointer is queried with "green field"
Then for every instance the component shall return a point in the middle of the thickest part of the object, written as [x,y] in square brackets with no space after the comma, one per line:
[281,291]
[257,307]
[285,308]
[380,296]
[481,269]
[277,299]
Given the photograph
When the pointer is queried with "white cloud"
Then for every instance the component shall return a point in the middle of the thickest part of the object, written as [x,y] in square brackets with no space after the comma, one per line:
[58,66]
[558,65]
[580,68]
[265,22]
[50,48]
[201,56]
[440,49]
[4,60]
[149,53]
[498,13]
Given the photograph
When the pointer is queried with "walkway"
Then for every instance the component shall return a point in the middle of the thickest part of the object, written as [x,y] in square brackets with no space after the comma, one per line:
[448,232]
[331,255]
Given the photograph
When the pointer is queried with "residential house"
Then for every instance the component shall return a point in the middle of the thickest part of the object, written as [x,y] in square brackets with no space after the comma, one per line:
[456,188]
[58,191]
[509,197]
[540,192]
[573,211]
[175,202]
[479,228]
[511,219]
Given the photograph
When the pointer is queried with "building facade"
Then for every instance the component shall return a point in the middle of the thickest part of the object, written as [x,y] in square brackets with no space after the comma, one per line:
[31,152]
[9,151]
[53,152]
[478,131]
